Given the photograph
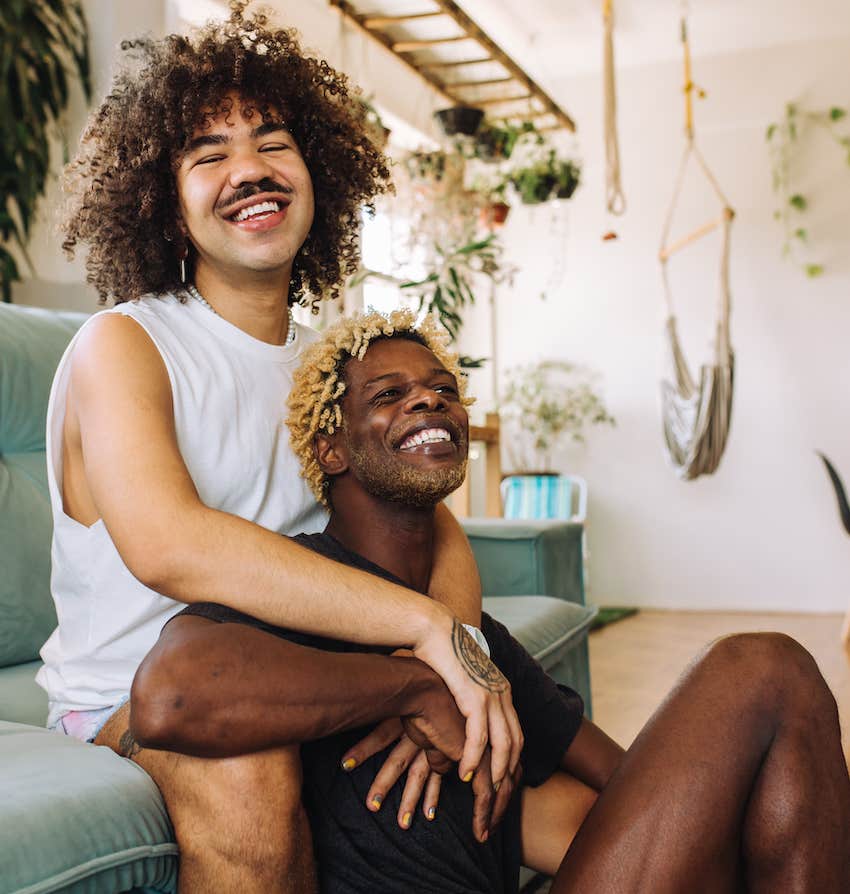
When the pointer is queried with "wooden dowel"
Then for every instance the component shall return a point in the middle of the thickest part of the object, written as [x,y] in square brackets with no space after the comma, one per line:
[410,46]
[455,64]
[698,233]
[500,100]
[458,84]
[382,21]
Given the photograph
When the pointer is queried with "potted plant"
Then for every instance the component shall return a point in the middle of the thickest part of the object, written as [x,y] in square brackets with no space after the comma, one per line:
[43,42]
[459,120]
[493,192]
[546,177]
[546,404]
[567,178]
[495,140]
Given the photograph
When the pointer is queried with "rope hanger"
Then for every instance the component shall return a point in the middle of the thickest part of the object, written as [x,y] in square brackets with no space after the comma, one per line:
[696,418]
[615,200]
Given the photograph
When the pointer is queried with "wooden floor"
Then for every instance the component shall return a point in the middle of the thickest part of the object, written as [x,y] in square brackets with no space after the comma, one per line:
[635,662]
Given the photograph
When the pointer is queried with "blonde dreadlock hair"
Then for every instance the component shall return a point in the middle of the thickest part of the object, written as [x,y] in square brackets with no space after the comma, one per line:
[318,384]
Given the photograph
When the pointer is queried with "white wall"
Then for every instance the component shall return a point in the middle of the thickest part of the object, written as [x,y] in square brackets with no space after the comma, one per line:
[763,532]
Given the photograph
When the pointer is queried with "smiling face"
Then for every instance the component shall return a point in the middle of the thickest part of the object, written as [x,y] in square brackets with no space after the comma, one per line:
[245,196]
[405,430]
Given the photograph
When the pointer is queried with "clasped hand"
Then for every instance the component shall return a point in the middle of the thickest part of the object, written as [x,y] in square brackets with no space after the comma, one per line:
[485,739]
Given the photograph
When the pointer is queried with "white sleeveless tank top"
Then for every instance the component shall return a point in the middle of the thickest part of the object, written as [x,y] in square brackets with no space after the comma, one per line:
[229,392]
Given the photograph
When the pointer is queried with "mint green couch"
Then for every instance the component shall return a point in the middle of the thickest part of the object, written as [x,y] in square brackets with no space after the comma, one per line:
[78,818]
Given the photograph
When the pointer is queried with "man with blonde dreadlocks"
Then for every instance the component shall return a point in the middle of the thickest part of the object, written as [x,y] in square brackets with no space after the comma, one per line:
[738,783]
[220,182]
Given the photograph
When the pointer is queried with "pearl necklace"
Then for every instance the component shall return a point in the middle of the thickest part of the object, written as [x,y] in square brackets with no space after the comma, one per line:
[190,288]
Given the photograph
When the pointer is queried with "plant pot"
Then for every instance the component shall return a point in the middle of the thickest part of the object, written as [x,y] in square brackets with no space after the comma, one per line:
[463,120]
[494,215]
[536,191]
[566,190]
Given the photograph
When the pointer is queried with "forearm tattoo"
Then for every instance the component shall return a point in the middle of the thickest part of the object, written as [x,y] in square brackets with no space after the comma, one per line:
[475,662]
[127,745]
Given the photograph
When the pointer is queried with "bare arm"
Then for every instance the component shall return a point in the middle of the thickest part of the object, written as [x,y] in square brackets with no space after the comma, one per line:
[454,577]
[223,689]
[593,756]
[122,417]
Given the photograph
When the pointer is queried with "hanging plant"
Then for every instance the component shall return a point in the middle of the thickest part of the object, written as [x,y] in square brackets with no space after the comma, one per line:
[447,290]
[459,120]
[783,139]
[42,44]
[495,140]
[547,178]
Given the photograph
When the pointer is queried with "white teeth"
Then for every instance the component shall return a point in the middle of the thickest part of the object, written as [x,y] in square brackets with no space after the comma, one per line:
[428,436]
[254,210]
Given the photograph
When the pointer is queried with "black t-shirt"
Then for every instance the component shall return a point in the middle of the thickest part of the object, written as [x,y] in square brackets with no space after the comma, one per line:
[360,851]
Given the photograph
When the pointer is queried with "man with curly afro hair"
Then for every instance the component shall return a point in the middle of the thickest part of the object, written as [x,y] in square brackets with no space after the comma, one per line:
[220,181]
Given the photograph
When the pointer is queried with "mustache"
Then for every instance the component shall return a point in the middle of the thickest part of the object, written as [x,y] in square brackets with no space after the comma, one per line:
[246,190]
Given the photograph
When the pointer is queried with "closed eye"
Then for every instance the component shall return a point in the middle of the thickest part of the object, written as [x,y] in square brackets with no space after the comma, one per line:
[387,393]
[274,147]
[209,159]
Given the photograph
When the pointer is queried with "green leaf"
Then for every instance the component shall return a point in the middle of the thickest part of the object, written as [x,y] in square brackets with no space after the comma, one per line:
[801,234]
[836,113]
[771,130]
[813,270]
[799,202]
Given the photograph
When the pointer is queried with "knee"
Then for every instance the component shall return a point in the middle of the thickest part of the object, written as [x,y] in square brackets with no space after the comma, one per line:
[769,664]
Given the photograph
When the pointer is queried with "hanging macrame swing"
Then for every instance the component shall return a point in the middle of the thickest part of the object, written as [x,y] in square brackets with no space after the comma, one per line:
[696,416]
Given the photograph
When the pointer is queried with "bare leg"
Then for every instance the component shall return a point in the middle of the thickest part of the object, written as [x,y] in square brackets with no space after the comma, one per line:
[239,822]
[551,815]
[738,782]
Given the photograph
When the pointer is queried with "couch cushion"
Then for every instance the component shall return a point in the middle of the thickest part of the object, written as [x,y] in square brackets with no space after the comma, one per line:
[546,626]
[528,556]
[78,818]
[31,344]
[22,700]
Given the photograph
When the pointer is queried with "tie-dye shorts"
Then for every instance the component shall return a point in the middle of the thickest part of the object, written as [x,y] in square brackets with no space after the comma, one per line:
[85,725]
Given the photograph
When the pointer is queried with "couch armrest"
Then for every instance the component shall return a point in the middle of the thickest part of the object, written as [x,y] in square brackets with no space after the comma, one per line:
[519,557]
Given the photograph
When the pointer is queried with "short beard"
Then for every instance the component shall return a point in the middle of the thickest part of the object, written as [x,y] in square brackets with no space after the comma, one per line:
[399,482]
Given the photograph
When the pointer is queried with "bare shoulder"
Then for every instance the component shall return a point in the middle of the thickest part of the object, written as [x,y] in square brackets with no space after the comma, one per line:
[114,349]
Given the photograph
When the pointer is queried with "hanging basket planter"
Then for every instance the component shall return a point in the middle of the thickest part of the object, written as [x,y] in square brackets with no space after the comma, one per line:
[459,120]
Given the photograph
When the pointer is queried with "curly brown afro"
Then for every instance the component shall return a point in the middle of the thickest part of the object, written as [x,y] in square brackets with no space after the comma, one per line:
[121,188]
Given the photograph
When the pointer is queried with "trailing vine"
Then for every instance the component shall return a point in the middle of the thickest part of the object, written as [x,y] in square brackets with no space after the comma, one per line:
[783,139]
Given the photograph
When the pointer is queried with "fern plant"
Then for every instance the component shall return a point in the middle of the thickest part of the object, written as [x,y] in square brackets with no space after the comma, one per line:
[43,44]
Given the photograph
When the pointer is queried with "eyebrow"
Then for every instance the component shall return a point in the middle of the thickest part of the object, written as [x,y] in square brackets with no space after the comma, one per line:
[219,139]
[437,370]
